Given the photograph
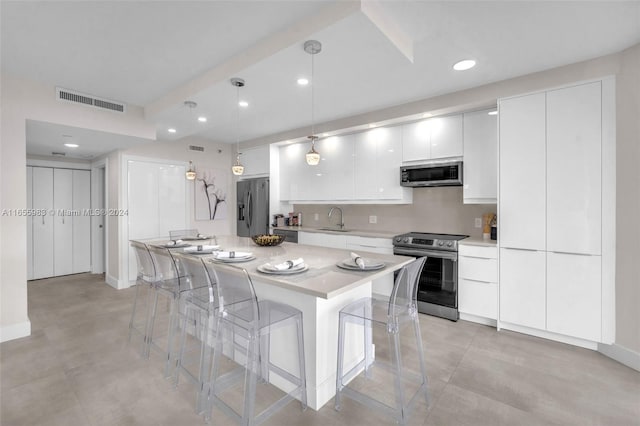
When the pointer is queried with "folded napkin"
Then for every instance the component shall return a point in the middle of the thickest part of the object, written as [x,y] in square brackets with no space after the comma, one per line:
[201,248]
[174,242]
[357,260]
[288,264]
[199,236]
[232,254]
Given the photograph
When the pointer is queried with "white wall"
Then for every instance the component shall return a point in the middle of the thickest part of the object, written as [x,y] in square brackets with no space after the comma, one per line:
[21,100]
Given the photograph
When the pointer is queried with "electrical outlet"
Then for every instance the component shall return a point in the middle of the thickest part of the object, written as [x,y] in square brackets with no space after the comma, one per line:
[478,222]
[373,219]
[316,217]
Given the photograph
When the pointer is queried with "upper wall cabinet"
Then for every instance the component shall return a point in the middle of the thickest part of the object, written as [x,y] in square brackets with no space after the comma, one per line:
[431,139]
[480,159]
[255,161]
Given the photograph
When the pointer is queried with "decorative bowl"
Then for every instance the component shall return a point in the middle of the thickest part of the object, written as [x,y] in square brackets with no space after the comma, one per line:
[268,240]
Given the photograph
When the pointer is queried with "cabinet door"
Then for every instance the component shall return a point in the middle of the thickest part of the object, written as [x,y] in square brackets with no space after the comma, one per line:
[574,295]
[480,157]
[574,172]
[378,156]
[43,225]
[63,223]
[335,173]
[322,240]
[291,158]
[416,139]
[30,224]
[446,136]
[478,298]
[255,161]
[522,214]
[522,287]
[81,223]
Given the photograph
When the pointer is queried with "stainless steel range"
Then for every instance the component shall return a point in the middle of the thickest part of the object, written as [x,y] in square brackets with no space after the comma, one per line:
[438,286]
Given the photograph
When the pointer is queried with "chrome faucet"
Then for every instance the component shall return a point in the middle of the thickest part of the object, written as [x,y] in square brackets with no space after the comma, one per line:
[341,224]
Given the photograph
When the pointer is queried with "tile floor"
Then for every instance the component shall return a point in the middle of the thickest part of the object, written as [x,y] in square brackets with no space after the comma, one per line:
[77,368]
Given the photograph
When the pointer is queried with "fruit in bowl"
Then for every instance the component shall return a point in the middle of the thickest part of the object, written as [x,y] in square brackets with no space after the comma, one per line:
[267,239]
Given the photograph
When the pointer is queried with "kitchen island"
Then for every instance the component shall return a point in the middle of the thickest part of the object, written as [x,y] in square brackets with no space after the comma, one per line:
[319,292]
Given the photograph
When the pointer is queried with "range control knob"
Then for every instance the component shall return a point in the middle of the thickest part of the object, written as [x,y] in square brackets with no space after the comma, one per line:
[405,240]
[398,239]
[449,244]
[440,243]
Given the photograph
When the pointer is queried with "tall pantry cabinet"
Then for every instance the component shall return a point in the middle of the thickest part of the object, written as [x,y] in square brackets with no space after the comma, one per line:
[59,237]
[556,211]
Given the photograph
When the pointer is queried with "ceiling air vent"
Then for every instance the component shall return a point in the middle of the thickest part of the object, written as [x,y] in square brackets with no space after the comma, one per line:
[196,148]
[83,98]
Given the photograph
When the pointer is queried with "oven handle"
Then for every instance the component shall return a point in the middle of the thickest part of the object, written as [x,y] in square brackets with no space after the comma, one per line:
[429,253]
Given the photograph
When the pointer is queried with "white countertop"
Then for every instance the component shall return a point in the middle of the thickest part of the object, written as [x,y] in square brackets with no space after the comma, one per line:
[474,241]
[355,232]
[323,279]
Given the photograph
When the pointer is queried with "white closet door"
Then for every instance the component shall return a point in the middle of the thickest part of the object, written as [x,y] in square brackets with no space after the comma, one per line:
[574,171]
[522,214]
[30,224]
[81,223]
[172,199]
[42,194]
[63,223]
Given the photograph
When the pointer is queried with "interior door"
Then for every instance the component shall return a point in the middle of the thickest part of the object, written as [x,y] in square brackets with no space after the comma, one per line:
[30,224]
[63,222]
[42,193]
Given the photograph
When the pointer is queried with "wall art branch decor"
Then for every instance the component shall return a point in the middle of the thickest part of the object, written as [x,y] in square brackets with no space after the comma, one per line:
[211,194]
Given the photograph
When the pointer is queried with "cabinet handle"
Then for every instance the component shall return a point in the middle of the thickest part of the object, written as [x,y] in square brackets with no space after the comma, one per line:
[477,257]
[521,249]
[43,219]
[477,281]
[573,254]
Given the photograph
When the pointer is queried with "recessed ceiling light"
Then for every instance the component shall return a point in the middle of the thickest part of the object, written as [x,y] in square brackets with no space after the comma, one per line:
[202,119]
[464,65]
[171,130]
[303,81]
[493,112]
[243,104]
[71,145]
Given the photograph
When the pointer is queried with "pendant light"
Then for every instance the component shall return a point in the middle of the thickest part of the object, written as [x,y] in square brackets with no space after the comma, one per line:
[238,168]
[191,173]
[313,158]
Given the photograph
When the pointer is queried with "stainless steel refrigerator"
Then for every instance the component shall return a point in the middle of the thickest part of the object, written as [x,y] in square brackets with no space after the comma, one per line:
[253,207]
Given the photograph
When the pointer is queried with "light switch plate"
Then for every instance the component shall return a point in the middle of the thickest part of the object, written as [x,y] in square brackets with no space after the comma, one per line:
[316,217]
[478,222]
[373,219]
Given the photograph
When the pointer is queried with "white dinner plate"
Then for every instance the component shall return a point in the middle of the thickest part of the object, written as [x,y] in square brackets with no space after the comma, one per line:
[233,259]
[181,245]
[369,265]
[295,270]
[205,249]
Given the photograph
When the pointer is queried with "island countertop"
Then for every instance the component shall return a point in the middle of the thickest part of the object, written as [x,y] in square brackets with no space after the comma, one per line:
[323,279]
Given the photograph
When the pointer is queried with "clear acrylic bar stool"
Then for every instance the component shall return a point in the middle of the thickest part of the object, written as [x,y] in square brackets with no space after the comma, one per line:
[183,233]
[243,333]
[167,284]
[390,317]
[145,280]
[197,313]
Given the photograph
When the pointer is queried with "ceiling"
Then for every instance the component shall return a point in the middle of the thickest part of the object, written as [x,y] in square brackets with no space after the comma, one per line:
[375,54]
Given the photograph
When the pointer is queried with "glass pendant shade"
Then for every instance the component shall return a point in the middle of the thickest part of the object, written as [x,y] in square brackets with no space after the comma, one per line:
[313,158]
[191,173]
[238,168]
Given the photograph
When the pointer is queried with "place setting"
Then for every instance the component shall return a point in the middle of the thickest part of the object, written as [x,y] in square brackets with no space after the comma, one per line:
[201,249]
[233,256]
[198,237]
[288,267]
[358,263]
[175,244]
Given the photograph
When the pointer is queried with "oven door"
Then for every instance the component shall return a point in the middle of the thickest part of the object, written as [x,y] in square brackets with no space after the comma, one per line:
[439,278]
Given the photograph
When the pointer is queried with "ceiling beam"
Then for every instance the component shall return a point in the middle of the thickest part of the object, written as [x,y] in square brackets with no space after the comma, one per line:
[389,27]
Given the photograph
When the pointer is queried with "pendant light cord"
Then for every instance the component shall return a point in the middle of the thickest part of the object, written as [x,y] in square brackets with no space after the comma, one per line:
[238,122]
[313,83]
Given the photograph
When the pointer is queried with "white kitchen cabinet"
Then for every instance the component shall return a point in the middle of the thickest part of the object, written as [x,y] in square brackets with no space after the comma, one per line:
[63,222]
[42,242]
[322,240]
[369,244]
[434,138]
[478,281]
[81,228]
[29,224]
[480,160]
[574,171]
[574,305]
[523,295]
[255,161]
[292,160]
[378,157]
[335,173]
[522,208]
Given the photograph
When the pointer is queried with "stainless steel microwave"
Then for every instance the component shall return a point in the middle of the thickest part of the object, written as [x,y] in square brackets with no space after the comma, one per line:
[434,174]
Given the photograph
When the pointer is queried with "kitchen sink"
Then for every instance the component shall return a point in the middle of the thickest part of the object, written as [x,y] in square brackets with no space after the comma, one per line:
[334,229]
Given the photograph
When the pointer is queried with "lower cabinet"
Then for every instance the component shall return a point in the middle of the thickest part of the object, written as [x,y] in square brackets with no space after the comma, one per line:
[478,281]
[522,287]
[322,240]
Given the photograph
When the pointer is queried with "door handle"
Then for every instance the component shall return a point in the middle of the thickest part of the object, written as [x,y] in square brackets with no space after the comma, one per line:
[250,209]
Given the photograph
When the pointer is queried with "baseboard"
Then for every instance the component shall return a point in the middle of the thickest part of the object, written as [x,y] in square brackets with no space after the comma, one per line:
[478,319]
[587,344]
[15,331]
[116,283]
[621,354]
